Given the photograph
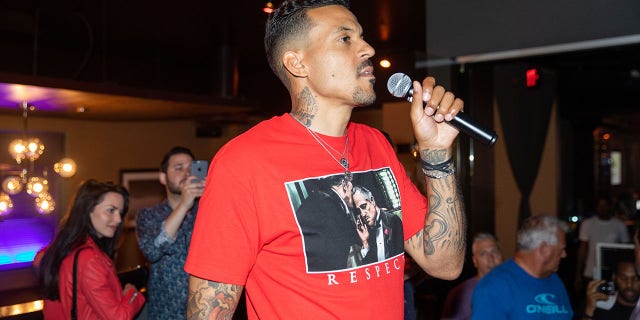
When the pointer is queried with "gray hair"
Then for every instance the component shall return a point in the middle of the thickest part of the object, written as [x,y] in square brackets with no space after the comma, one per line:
[538,229]
[485,236]
[364,191]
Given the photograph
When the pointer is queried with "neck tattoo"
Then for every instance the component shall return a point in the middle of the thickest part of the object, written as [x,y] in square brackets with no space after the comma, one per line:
[344,156]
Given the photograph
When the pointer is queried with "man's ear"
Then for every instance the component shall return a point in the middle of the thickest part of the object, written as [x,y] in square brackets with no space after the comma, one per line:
[545,249]
[163,178]
[292,61]
[474,259]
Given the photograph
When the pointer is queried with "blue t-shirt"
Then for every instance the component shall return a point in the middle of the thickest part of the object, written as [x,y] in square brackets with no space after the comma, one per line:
[508,292]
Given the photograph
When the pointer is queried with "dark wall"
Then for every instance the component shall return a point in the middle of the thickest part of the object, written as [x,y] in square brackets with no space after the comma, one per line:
[456,28]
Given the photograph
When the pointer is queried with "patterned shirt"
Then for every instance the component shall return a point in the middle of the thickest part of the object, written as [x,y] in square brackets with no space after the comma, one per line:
[168,282]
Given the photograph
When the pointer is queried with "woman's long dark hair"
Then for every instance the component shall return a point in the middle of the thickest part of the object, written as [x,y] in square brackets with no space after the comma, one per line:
[73,231]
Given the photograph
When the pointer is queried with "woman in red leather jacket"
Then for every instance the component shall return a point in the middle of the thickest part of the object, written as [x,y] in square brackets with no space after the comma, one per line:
[92,227]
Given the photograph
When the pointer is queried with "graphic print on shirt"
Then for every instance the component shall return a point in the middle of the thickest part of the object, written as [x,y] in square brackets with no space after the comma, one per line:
[345,223]
[545,303]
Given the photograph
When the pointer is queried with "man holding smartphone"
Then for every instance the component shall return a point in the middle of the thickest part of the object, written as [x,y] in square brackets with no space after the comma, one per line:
[621,294]
[164,233]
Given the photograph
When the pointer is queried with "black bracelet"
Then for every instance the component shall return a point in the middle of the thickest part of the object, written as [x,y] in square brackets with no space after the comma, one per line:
[440,170]
[440,166]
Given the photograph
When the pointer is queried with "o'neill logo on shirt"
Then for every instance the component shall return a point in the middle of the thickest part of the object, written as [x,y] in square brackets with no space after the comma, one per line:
[545,305]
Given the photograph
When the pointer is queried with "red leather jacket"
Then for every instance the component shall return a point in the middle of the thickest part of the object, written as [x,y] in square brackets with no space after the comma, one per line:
[99,292]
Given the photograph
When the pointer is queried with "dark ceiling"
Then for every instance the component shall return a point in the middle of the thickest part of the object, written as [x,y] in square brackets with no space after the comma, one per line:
[600,85]
[208,55]
[209,51]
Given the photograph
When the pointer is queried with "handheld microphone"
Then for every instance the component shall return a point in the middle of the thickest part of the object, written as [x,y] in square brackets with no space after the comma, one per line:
[401,86]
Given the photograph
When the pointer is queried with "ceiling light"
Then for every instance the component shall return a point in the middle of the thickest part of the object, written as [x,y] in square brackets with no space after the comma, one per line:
[35,148]
[17,150]
[31,148]
[5,204]
[66,167]
[36,186]
[12,185]
[385,63]
[45,203]
[268,7]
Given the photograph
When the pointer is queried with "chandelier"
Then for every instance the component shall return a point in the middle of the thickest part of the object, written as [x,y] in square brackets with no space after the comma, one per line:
[25,151]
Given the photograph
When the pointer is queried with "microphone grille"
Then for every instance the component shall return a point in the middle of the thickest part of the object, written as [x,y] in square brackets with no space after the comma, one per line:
[399,84]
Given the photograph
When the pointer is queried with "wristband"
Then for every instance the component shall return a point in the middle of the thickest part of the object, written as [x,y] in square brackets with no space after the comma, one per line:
[440,170]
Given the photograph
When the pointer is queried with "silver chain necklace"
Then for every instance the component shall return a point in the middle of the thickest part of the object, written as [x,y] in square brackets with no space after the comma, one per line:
[344,156]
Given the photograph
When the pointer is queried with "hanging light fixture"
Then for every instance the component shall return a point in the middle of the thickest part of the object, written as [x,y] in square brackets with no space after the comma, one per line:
[36,186]
[35,148]
[17,150]
[5,204]
[66,167]
[30,149]
[12,185]
[45,203]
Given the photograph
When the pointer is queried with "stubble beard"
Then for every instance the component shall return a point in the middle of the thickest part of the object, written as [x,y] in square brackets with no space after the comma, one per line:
[174,189]
[364,97]
[629,296]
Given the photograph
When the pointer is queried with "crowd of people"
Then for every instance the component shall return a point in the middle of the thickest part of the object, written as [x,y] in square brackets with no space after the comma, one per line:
[79,277]
[310,215]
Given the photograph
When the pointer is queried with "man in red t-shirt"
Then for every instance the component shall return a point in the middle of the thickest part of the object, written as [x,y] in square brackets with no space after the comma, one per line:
[250,234]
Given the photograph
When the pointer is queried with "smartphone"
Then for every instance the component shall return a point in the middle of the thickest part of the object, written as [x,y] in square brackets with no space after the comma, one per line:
[199,169]
[608,288]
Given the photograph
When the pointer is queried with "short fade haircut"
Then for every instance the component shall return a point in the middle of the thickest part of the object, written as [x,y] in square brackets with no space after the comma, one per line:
[288,21]
[164,164]
[538,229]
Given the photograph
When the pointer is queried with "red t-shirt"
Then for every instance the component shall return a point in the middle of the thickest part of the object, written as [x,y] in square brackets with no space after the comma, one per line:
[250,229]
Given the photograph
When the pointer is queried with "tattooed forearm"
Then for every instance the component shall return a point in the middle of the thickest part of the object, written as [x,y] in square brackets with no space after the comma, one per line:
[306,108]
[212,300]
[434,156]
[431,236]
[439,247]
[446,225]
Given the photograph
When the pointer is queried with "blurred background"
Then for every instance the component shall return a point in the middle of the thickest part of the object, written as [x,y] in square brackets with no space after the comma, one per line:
[114,84]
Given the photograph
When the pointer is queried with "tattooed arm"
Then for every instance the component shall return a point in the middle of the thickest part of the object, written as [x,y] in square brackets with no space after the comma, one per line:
[212,300]
[439,247]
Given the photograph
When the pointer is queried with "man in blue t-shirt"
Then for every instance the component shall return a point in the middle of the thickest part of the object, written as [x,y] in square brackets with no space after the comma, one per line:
[527,286]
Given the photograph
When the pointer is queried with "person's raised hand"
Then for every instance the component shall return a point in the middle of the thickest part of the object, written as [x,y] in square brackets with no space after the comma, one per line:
[432,106]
